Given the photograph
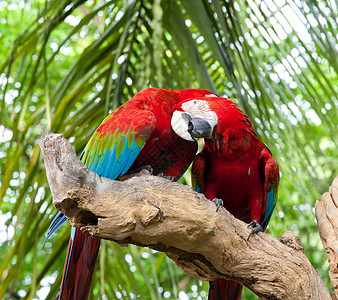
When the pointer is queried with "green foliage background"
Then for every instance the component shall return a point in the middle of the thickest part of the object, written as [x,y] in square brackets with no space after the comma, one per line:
[65,64]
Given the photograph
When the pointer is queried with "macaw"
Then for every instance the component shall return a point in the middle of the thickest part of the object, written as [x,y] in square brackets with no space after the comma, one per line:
[234,166]
[135,135]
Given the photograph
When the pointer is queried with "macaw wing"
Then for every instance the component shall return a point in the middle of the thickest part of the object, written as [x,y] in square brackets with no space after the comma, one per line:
[117,142]
[197,173]
[114,147]
[57,222]
[270,173]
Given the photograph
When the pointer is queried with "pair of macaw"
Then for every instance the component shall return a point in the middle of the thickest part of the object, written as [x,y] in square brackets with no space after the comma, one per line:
[158,128]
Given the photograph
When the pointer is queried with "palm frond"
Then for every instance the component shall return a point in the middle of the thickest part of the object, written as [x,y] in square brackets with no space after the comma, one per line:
[74,61]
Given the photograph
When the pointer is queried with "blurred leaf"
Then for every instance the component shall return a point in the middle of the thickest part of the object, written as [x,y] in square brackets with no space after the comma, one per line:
[65,64]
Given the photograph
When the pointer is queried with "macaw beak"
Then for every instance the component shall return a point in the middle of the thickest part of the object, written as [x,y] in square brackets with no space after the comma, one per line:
[200,128]
[181,123]
[190,128]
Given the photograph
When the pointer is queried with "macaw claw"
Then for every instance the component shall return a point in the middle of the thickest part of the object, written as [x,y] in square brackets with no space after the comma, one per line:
[148,168]
[218,202]
[171,178]
[143,168]
[256,227]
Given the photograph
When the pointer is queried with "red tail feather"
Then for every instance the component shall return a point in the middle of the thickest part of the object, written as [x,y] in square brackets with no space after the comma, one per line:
[79,266]
[222,289]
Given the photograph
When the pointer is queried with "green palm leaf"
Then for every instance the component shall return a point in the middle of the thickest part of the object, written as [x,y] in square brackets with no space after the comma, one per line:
[65,64]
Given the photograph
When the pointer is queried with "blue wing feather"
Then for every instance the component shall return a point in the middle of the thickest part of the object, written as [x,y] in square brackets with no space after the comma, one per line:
[196,187]
[105,161]
[271,181]
[72,235]
[57,222]
[133,152]
[270,206]
[197,172]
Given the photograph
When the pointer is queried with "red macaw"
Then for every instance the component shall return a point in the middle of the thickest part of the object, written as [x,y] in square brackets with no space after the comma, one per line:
[135,135]
[234,166]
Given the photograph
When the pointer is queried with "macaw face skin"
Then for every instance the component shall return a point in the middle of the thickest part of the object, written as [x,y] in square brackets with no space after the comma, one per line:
[194,119]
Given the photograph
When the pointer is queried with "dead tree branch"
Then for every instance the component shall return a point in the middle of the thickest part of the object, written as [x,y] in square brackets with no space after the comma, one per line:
[170,217]
[327,218]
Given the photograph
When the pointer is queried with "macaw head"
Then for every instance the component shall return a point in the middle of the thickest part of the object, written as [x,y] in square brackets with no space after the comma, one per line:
[199,117]
[193,93]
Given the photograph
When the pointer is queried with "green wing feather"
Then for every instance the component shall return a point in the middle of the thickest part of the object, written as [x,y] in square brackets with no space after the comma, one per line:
[117,142]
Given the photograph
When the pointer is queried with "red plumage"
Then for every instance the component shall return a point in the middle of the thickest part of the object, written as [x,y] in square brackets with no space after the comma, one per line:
[79,271]
[135,135]
[234,166]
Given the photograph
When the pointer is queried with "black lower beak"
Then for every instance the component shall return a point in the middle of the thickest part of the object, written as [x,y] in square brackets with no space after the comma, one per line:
[199,128]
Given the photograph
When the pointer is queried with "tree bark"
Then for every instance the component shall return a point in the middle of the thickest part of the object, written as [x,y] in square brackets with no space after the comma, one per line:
[327,218]
[166,216]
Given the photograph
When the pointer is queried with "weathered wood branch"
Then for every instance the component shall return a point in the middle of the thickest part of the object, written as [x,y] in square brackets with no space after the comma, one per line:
[327,218]
[154,212]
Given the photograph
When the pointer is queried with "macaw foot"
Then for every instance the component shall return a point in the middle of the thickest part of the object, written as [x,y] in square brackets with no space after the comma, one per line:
[171,178]
[256,227]
[144,168]
[218,202]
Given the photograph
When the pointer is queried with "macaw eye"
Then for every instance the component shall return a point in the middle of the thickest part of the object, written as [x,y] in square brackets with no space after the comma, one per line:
[194,106]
